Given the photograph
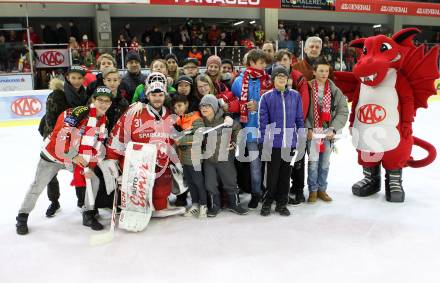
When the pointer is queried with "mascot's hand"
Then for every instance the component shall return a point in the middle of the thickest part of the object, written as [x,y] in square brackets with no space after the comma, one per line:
[406,129]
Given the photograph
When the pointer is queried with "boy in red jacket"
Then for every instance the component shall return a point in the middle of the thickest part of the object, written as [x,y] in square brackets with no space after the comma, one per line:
[74,144]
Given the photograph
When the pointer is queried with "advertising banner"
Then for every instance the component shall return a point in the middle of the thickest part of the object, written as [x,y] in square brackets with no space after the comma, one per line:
[389,7]
[52,58]
[221,3]
[22,105]
[15,82]
[309,4]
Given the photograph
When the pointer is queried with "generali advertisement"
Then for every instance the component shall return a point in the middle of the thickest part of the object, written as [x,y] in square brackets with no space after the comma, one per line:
[222,3]
[389,7]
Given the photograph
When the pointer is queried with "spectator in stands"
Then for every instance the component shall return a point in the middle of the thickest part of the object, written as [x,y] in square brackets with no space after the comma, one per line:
[206,55]
[104,61]
[259,36]
[156,40]
[49,35]
[338,65]
[127,32]
[173,66]
[74,31]
[4,60]
[35,39]
[61,34]
[134,45]
[74,48]
[86,45]
[122,45]
[133,77]
[213,35]
[223,51]
[195,53]
[180,53]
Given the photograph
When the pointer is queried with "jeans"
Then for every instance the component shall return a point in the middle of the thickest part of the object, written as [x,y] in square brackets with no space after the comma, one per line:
[319,164]
[255,168]
[196,184]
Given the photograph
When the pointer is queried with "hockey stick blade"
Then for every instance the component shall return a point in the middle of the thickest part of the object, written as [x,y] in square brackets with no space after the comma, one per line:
[107,237]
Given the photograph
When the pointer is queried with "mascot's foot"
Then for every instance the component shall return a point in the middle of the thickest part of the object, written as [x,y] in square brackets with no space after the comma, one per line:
[393,186]
[370,184]
[170,211]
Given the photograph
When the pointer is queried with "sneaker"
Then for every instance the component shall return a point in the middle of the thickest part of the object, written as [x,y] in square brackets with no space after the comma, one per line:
[324,196]
[239,210]
[253,203]
[203,211]
[265,209]
[293,201]
[312,197]
[52,209]
[213,211]
[192,211]
[282,210]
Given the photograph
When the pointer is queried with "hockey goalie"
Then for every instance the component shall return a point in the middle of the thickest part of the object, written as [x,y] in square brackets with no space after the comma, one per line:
[141,143]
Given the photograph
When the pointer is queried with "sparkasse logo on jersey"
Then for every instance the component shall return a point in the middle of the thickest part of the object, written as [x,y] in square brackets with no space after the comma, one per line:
[222,2]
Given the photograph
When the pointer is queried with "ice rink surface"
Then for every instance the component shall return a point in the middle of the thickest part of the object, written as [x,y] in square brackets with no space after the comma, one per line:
[348,240]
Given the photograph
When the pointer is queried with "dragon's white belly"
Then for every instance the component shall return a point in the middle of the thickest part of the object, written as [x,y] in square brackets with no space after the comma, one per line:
[377,116]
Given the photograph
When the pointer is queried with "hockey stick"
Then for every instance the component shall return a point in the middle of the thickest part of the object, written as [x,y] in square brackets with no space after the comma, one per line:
[215,128]
[89,189]
[107,237]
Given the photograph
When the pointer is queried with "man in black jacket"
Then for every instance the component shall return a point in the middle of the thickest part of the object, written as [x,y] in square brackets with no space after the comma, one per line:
[133,77]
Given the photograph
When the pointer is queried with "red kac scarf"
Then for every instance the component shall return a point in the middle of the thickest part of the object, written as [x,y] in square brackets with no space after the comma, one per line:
[265,85]
[321,115]
[91,142]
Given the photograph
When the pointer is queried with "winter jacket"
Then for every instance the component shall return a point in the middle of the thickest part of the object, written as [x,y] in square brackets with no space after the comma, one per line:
[338,109]
[285,110]
[118,107]
[130,82]
[191,121]
[300,84]
[62,145]
[62,97]
[139,93]
[219,119]
[254,94]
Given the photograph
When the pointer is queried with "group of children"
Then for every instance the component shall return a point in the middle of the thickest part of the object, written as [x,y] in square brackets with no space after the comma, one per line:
[251,113]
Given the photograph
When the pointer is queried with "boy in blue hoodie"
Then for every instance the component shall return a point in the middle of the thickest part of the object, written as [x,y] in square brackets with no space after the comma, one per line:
[282,108]
[249,87]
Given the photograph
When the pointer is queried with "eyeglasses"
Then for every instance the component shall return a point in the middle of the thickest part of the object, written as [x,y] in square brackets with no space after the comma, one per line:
[104,101]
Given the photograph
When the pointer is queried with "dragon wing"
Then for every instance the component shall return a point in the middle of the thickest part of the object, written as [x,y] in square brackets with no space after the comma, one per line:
[421,70]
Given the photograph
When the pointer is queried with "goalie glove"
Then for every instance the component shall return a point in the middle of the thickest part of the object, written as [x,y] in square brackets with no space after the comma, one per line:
[110,171]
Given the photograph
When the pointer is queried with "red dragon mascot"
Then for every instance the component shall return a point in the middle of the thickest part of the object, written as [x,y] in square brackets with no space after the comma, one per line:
[391,80]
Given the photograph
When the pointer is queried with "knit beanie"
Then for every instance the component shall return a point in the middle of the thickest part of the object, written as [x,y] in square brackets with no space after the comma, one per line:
[277,70]
[214,59]
[210,100]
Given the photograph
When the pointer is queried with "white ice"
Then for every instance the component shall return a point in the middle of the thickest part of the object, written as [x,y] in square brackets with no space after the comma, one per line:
[348,240]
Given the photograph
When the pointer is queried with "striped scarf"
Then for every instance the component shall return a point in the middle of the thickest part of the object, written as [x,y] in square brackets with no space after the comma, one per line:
[265,84]
[89,147]
[321,115]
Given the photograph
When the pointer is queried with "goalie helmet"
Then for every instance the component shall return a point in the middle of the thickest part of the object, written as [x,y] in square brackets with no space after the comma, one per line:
[156,77]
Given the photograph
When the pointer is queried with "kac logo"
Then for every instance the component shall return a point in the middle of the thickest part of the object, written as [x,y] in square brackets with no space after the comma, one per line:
[26,106]
[371,114]
[52,58]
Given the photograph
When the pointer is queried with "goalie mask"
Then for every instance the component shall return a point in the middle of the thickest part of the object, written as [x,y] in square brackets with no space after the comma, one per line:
[155,77]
